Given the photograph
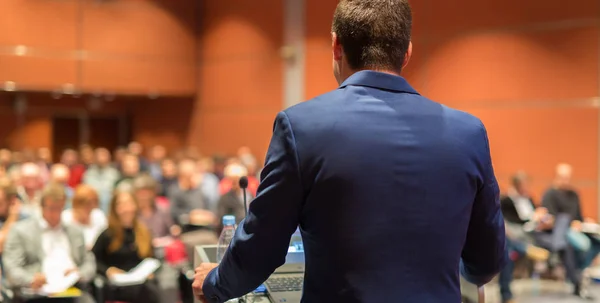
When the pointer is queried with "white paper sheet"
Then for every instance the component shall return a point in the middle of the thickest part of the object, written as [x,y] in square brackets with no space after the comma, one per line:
[138,275]
[58,286]
[590,228]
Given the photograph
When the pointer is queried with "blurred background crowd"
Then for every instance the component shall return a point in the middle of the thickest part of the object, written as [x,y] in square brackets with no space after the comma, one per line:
[179,198]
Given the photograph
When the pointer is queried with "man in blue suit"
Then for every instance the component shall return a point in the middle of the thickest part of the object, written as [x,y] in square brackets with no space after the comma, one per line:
[394,194]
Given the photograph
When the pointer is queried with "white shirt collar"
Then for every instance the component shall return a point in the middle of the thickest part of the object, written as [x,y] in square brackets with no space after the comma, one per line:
[45,226]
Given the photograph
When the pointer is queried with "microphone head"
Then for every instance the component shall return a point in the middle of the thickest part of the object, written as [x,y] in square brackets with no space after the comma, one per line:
[244,182]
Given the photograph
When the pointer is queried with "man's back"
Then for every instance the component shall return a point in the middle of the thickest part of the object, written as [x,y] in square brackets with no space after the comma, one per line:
[391,178]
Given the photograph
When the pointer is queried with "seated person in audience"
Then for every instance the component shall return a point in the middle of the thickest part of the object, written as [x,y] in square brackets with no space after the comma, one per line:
[160,223]
[85,215]
[118,155]
[10,211]
[70,158]
[102,177]
[30,188]
[136,149]
[518,209]
[232,202]
[121,247]
[42,250]
[208,182]
[169,175]
[157,219]
[43,159]
[156,155]
[130,168]
[60,174]
[86,155]
[562,198]
[188,204]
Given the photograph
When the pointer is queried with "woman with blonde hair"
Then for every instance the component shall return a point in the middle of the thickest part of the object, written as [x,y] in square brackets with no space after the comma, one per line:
[85,214]
[121,247]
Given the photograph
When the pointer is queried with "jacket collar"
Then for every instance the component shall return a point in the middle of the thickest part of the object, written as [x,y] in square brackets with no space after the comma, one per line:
[379,80]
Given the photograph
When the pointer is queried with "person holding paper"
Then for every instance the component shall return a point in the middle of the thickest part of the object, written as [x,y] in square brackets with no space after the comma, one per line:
[44,255]
[562,199]
[122,247]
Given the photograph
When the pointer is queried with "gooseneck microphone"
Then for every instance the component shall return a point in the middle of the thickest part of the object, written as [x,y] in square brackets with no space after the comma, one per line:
[244,186]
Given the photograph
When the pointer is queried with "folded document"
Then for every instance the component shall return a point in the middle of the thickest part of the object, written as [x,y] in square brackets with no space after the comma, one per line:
[138,275]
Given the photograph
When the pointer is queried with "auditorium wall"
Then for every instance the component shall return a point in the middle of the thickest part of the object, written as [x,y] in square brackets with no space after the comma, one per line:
[528,69]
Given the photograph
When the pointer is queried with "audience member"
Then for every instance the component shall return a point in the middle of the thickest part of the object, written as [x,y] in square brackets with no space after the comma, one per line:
[169,175]
[5,158]
[60,174]
[43,158]
[121,247]
[30,188]
[219,165]
[10,211]
[44,155]
[157,154]
[41,250]
[518,209]
[157,219]
[102,177]
[85,215]
[118,156]
[86,153]
[208,182]
[136,149]
[188,204]
[71,160]
[563,199]
[232,202]
[130,168]
[246,159]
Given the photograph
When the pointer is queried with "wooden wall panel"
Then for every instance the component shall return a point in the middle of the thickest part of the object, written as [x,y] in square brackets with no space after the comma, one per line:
[162,121]
[551,65]
[140,77]
[37,73]
[226,131]
[242,85]
[446,18]
[44,24]
[134,27]
[240,75]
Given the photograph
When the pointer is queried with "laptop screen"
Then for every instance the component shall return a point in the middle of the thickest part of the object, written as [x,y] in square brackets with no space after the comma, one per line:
[294,260]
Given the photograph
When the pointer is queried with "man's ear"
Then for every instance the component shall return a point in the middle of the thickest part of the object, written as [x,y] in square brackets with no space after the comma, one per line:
[336,47]
[408,55]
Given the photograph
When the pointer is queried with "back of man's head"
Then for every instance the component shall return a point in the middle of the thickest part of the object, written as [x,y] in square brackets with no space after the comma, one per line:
[374,34]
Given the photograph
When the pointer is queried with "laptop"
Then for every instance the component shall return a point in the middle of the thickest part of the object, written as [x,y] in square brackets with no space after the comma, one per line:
[285,284]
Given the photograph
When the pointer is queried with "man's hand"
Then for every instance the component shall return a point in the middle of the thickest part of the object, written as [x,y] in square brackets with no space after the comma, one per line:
[70,271]
[539,213]
[576,225]
[201,217]
[201,272]
[589,220]
[38,281]
[111,271]
[546,223]
[175,231]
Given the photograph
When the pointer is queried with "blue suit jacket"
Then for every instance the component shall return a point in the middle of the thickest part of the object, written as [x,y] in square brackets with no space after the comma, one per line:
[391,192]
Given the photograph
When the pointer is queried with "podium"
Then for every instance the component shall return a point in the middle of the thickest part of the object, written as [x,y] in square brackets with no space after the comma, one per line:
[208,254]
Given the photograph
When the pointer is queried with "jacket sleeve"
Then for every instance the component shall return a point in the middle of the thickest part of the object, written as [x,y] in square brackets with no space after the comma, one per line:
[13,260]
[87,268]
[262,239]
[484,252]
